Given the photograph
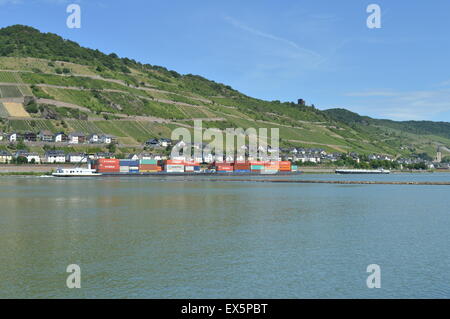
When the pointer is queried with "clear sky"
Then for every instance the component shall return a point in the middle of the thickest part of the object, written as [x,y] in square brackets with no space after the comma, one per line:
[318,50]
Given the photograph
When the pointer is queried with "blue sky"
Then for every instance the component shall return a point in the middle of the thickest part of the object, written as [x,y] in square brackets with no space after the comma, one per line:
[318,50]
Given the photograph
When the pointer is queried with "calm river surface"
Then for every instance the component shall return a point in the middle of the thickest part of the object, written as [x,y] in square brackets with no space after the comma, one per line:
[183,237]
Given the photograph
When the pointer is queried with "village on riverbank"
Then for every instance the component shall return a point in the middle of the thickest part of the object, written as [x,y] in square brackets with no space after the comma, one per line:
[17,155]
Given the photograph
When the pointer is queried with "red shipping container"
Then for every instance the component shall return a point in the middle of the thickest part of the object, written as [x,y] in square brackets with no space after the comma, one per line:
[257,162]
[174,162]
[108,166]
[241,166]
[108,161]
[105,170]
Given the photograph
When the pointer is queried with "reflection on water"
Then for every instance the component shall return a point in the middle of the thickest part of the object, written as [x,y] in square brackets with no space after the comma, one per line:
[178,238]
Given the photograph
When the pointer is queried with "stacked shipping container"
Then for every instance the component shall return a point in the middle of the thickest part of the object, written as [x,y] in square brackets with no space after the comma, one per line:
[179,166]
[105,165]
[192,167]
[285,166]
[242,167]
[129,166]
[223,167]
[149,166]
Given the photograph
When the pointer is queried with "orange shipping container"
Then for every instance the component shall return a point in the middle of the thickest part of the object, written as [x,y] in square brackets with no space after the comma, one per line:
[151,167]
[241,166]
[191,164]
[285,163]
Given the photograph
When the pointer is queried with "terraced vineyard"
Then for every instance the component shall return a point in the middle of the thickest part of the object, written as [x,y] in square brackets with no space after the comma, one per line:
[3,112]
[109,127]
[25,90]
[32,125]
[134,129]
[9,91]
[8,77]
[84,127]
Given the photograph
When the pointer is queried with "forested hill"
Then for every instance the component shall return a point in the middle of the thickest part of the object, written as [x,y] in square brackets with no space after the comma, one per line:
[63,86]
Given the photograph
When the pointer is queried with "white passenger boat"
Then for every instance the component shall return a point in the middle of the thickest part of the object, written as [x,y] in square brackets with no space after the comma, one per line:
[75,172]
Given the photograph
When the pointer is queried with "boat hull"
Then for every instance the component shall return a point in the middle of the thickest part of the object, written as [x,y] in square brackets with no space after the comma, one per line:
[361,171]
[76,175]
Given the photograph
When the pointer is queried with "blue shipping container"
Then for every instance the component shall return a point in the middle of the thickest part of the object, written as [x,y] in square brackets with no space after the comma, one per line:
[242,171]
[129,163]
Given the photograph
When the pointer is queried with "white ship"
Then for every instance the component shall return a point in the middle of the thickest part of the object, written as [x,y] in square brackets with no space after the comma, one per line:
[363,171]
[75,172]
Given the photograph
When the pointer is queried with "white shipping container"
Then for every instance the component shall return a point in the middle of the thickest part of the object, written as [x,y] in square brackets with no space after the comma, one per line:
[189,168]
[175,168]
[124,169]
[269,171]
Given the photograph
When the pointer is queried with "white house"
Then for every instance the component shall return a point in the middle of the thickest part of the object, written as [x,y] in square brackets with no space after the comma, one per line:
[76,138]
[106,139]
[308,158]
[104,155]
[12,137]
[60,137]
[145,156]
[46,136]
[133,157]
[76,158]
[31,157]
[55,157]
[160,157]
[93,138]
[164,142]
[5,157]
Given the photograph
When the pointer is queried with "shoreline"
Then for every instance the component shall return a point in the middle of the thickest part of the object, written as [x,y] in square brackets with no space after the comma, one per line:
[47,169]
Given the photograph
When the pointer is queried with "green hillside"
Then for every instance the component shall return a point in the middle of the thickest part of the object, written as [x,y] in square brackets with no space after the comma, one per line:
[68,88]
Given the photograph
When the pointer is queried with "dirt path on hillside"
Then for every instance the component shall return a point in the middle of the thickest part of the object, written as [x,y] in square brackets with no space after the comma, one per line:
[340,148]
[63,104]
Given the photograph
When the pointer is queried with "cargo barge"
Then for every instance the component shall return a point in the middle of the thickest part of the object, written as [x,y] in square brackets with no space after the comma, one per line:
[362,171]
[149,167]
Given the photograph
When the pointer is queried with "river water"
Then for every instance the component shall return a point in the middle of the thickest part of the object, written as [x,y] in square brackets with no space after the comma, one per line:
[180,237]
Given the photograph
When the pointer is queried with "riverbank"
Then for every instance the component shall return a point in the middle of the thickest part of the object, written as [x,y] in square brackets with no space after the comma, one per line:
[27,169]
[40,169]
